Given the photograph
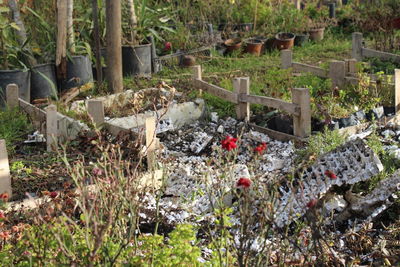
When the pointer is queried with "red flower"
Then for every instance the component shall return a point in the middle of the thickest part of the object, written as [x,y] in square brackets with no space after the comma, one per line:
[330,174]
[229,143]
[243,182]
[167,46]
[312,203]
[2,216]
[260,148]
[4,197]
[53,194]
[5,235]
[97,171]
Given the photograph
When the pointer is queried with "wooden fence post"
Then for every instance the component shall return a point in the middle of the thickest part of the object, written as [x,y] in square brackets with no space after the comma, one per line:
[351,65]
[197,72]
[96,111]
[397,89]
[337,72]
[151,141]
[12,95]
[197,75]
[5,177]
[241,86]
[356,46]
[51,128]
[302,123]
[286,59]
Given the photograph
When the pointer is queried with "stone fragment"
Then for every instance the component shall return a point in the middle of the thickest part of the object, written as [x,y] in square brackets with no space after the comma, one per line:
[201,141]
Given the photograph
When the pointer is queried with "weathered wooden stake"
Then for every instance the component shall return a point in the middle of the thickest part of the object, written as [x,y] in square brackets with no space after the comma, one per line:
[297,4]
[61,49]
[337,72]
[197,75]
[151,141]
[12,95]
[357,46]
[351,66]
[197,72]
[96,111]
[51,128]
[5,177]
[286,59]
[302,123]
[242,87]
[113,38]
[397,89]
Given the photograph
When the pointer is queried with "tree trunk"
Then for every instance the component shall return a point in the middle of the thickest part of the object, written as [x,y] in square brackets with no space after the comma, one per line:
[113,40]
[133,23]
[21,33]
[61,52]
[99,70]
[70,26]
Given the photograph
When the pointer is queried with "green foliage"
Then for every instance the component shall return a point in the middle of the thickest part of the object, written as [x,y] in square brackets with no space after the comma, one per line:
[321,143]
[55,244]
[13,127]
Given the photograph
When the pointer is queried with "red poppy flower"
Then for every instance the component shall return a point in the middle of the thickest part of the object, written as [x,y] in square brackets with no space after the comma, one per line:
[260,148]
[244,183]
[167,46]
[330,174]
[312,203]
[229,143]
[53,194]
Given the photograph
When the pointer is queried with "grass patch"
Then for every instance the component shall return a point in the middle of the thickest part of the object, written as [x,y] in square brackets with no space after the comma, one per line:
[14,127]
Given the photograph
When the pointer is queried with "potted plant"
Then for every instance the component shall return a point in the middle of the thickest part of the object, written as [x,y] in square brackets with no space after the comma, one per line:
[254,46]
[301,30]
[318,20]
[12,68]
[233,45]
[143,22]
[43,75]
[284,40]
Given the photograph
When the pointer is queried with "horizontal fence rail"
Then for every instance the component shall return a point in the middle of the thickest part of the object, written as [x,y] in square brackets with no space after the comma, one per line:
[299,108]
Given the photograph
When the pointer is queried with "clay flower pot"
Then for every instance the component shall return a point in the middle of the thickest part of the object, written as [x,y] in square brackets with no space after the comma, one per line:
[254,46]
[284,40]
[233,44]
[317,34]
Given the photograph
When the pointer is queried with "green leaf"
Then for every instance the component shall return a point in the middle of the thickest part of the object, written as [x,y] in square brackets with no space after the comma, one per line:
[14,26]
[4,9]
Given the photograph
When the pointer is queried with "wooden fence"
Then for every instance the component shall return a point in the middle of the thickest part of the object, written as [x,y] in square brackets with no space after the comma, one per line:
[359,52]
[299,108]
[340,72]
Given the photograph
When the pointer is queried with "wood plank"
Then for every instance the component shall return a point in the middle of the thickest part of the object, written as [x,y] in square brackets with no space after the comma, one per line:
[61,48]
[150,131]
[5,177]
[216,90]
[356,52]
[35,113]
[12,95]
[242,86]
[291,108]
[300,67]
[302,123]
[355,129]
[367,52]
[51,128]
[337,72]
[284,137]
[286,59]
[96,111]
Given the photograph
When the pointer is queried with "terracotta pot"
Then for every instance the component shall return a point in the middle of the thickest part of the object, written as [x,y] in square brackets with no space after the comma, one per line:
[233,44]
[317,34]
[284,40]
[254,46]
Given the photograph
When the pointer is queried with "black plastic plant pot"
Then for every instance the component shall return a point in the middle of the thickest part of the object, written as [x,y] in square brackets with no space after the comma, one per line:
[79,72]
[43,81]
[20,78]
[301,39]
[136,60]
